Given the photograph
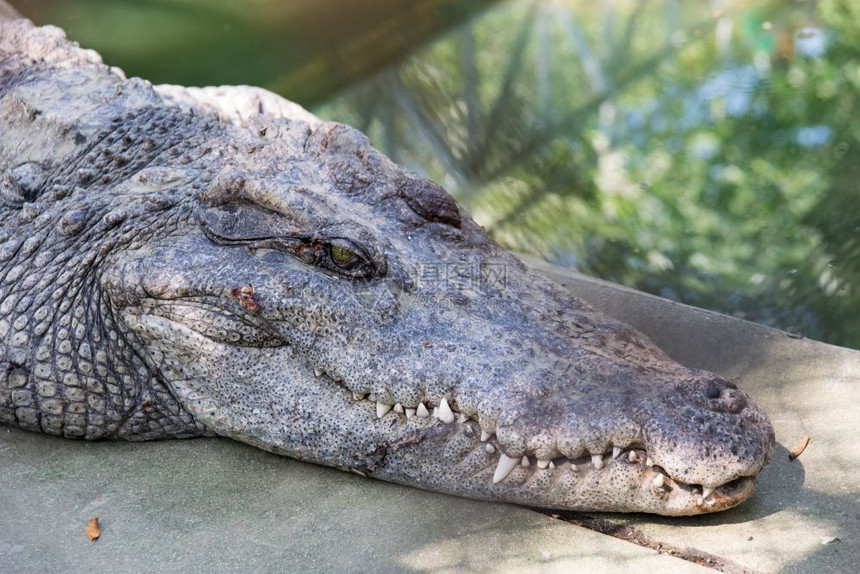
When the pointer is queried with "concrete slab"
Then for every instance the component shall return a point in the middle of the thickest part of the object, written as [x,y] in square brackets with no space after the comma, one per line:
[215,505]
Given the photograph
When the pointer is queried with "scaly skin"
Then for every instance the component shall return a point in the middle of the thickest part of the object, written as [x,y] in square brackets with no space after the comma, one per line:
[178,262]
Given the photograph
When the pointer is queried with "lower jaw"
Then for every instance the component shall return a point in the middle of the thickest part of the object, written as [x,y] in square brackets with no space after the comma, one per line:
[444,460]
[594,490]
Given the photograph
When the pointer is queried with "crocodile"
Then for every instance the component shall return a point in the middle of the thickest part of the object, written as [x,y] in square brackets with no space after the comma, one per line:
[182,262]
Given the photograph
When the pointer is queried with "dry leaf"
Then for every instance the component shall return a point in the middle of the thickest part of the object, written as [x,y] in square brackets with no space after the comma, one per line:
[93,530]
[804,442]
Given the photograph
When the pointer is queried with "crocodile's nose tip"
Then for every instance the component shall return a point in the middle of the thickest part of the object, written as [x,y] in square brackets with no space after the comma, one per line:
[713,391]
[725,393]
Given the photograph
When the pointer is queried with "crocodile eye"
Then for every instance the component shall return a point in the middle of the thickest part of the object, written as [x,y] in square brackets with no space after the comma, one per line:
[348,258]
[345,254]
[342,255]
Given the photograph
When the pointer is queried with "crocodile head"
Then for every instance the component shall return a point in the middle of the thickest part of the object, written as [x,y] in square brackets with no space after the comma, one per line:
[265,276]
[323,303]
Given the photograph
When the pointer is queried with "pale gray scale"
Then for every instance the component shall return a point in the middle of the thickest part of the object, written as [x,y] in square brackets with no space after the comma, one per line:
[85,367]
[74,394]
[46,389]
[93,386]
[71,379]
[80,329]
[27,416]
[78,408]
[44,371]
[22,398]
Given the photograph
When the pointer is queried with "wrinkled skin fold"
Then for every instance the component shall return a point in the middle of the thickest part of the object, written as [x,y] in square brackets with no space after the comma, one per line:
[185,262]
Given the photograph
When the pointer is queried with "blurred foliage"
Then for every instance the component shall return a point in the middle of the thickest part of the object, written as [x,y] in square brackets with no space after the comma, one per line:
[707,155]
[306,49]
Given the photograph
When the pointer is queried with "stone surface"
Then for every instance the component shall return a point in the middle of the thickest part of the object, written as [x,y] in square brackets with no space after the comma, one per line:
[215,505]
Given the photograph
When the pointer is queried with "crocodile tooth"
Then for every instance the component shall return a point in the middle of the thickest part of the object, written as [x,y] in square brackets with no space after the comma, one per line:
[410,413]
[542,463]
[504,468]
[551,465]
[597,461]
[443,413]
[485,436]
[319,372]
[382,409]
[490,448]
[633,457]
[359,396]
[649,462]
[524,461]
[658,481]
[398,408]
[616,452]
[706,492]
[422,411]
[462,417]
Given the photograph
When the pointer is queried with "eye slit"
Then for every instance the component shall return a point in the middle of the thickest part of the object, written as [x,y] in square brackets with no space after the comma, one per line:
[344,254]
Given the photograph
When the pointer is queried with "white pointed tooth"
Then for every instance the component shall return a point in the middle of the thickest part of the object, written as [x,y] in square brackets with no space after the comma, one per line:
[485,436]
[551,465]
[359,396]
[706,492]
[398,408]
[319,372]
[444,413]
[490,448]
[422,411]
[649,462]
[382,410]
[616,452]
[504,468]
[524,461]
[410,413]
[543,463]
[658,481]
[633,457]
[462,417]
[597,461]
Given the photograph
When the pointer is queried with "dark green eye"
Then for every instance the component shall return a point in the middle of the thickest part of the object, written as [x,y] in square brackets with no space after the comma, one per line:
[344,254]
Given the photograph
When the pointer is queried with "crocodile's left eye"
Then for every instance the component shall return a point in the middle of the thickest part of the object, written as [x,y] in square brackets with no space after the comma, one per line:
[343,253]
[348,257]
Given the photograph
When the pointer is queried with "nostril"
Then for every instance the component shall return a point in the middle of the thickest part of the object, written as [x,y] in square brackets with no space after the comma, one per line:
[712,391]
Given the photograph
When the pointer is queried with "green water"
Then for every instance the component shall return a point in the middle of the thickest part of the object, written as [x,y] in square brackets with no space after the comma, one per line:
[707,155]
